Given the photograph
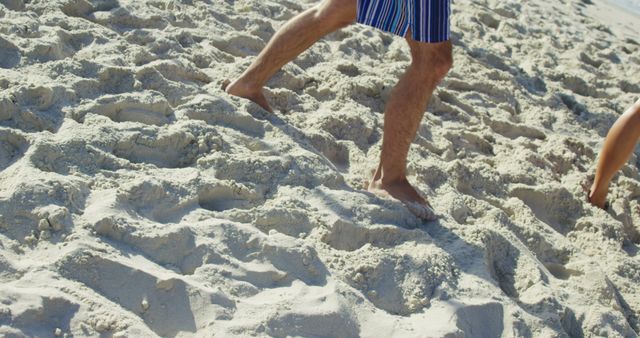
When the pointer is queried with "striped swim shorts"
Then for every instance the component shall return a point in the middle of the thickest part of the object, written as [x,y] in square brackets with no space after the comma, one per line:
[427,19]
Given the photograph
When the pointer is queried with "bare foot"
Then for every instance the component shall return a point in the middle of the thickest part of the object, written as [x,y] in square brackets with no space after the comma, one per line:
[597,198]
[236,88]
[405,193]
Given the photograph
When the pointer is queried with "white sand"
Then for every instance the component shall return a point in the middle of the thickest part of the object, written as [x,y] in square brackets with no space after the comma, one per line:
[138,200]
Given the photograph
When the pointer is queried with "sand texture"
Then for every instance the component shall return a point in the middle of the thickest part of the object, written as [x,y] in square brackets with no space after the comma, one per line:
[137,199]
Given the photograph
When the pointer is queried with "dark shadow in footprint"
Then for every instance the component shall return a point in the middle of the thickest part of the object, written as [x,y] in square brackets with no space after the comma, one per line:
[9,54]
[84,8]
[12,147]
[560,271]
[221,198]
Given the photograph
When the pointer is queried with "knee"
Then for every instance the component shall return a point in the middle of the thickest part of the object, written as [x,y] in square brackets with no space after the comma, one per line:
[443,64]
[435,62]
[336,13]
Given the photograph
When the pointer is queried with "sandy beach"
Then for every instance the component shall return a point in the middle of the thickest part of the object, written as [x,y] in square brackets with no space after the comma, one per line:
[138,199]
[619,16]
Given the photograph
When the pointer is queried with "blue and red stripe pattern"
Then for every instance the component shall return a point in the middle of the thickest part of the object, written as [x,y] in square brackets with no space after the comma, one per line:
[427,19]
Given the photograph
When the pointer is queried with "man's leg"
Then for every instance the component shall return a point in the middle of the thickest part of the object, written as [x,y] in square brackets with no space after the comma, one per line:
[293,38]
[618,146]
[405,108]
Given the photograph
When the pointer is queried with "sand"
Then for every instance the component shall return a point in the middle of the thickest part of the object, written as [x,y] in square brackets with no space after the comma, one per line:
[619,16]
[137,199]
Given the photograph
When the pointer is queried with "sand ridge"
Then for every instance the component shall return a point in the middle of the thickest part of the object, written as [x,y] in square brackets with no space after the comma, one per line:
[138,199]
